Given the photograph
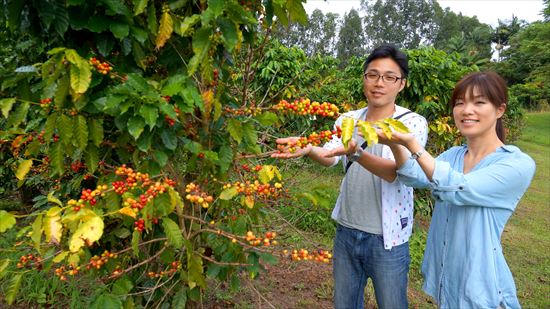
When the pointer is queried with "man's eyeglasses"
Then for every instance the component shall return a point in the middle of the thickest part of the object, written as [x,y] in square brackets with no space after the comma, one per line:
[388,79]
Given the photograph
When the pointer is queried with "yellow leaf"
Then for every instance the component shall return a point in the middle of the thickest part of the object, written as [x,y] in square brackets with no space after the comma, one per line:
[88,232]
[348,125]
[228,193]
[53,199]
[128,211]
[208,100]
[23,169]
[166,28]
[60,257]
[53,228]
[397,125]
[385,128]
[36,234]
[369,133]
[249,201]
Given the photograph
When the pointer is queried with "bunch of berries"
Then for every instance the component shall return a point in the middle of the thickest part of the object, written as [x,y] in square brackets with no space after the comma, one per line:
[196,195]
[247,168]
[174,266]
[101,67]
[98,261]
[45,103]
[139,225]
[62,271]
[29,261]
[254,240]
[77,165]
[314,139]
[250,188]
[322,256]
[90,195]
[242,111]
[306,107]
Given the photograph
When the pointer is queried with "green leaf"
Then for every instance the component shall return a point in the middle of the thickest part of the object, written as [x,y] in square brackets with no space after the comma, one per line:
[163,205]
[161,157]
[139,6]
[173,233]
[137,82]
[81,76]
[117,6]
[6,105]
[104,301]
[13,288]
[65,127]
[201,45]
[152,18]
[179,299]
[234,127]
[122,286]
[267,118]
[49,127]
[169,139]
[228,193]
[136,237]
[3,265]
[56,156]
[150,113]
[62,91]
[119,29]
[95,127]
[250,134]
[81,132]
[139,34]
[7,221]
[91,157]
[184,28]
[23,169]
[19,115]
[135,126]
[229,33]
[174,85]
[98,23]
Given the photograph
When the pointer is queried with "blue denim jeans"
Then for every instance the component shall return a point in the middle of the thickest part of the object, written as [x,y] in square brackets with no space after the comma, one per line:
[358,256]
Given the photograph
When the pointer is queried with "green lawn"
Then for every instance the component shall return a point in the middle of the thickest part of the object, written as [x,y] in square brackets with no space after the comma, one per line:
[526,240]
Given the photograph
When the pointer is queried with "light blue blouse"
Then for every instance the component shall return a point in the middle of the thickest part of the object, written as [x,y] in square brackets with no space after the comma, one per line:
[463,263]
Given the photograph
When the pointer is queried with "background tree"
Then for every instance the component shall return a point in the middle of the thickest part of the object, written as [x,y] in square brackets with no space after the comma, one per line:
[406,23]
[351,38]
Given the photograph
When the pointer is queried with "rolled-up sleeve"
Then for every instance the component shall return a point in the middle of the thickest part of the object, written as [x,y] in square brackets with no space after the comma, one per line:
[500,184]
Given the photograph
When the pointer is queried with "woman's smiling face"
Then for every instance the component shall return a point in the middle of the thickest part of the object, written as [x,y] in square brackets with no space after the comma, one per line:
[475,115]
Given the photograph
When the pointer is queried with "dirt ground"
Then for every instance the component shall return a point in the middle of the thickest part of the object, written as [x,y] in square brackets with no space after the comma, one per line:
[293,285]
[287,285]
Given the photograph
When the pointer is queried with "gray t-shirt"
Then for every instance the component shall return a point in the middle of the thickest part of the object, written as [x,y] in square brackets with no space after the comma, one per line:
[361,205]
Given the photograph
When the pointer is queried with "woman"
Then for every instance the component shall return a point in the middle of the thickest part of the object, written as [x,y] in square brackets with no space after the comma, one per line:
[476,188]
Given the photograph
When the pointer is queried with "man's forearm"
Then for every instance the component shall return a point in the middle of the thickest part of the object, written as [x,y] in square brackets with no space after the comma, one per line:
[317,154]
[383,168]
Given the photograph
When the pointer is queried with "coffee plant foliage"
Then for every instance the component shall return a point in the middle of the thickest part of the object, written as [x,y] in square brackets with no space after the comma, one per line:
[96,118]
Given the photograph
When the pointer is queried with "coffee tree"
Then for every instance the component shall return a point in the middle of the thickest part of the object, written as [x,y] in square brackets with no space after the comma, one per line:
[137,127]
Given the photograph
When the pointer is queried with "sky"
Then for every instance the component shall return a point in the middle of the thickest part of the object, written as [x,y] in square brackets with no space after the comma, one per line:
[487,11]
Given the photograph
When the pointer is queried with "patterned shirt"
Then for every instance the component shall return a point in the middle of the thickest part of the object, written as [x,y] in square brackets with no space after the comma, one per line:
[397,199]
[464,266]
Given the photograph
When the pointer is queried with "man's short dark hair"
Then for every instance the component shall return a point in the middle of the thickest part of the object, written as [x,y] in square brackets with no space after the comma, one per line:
[389,51]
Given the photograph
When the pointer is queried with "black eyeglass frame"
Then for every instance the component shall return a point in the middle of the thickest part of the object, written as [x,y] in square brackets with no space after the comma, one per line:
[383,78]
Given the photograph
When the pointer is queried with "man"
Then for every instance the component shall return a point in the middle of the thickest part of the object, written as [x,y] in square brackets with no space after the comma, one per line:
[374,211]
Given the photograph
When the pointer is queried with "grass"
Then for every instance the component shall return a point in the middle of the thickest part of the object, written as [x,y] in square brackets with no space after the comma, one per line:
[526,236]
